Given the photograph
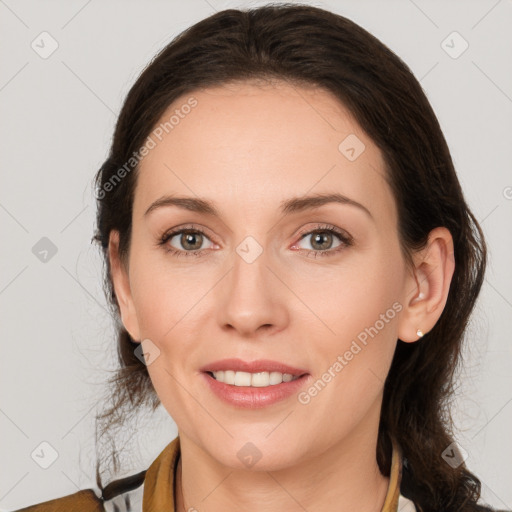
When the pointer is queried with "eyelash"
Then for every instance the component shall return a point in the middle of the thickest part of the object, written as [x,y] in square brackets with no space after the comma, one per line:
[346,240]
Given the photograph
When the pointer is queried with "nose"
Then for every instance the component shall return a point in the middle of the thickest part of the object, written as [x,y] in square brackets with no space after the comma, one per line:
[252,299]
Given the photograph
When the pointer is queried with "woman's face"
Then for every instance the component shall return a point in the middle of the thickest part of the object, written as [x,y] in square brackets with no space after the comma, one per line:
[260,283]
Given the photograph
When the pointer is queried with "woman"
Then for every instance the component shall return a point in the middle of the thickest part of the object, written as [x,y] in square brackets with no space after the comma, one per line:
[293,264]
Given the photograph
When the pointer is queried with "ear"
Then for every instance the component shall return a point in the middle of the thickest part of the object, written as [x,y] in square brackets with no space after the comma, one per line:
[121,282]
[426,288]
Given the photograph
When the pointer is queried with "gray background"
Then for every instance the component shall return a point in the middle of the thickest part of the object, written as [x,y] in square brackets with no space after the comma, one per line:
[58,115]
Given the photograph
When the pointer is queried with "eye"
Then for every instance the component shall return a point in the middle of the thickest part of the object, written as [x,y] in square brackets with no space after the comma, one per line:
[186,241]
[322,239]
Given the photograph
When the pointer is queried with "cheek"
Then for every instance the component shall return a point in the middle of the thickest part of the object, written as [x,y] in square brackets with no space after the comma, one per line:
[353,295]
[167,300]
[358,308]
[162,294]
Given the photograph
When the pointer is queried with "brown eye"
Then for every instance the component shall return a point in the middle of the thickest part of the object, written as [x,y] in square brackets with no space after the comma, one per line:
[191,240]
[185,242]
[322,241]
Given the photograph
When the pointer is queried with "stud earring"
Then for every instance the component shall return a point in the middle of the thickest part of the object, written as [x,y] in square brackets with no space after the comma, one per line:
[419,333]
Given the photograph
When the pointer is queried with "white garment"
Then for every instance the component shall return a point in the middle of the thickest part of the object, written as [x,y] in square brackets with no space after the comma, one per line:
[405,504]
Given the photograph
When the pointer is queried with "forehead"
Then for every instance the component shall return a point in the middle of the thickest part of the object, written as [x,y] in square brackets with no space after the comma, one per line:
[248,145]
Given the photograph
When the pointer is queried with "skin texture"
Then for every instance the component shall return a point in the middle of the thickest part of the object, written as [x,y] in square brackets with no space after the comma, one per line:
[248,147]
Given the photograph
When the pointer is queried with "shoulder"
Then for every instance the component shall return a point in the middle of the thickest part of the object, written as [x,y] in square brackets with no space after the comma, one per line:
[122,495]
[84,500]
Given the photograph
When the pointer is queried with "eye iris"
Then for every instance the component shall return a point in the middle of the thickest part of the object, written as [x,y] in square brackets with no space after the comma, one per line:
[188,238]
[321,235]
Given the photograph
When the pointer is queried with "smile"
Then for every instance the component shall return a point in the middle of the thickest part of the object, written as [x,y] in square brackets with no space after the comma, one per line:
[255,380]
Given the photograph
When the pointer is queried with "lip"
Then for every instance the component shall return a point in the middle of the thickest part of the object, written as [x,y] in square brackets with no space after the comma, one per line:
[261,365]
[247,397]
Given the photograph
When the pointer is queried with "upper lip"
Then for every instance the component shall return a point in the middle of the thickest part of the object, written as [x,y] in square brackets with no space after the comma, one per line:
[260,365]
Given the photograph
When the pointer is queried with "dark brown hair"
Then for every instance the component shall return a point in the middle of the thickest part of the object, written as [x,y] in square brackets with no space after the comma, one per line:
[308,46]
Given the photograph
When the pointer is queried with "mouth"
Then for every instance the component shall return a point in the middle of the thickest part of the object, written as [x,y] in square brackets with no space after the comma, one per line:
[254,380]
[254,390]
[256,374]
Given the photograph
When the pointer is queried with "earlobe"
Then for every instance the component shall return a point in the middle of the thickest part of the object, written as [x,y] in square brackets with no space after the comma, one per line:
[428,286]
[121,284]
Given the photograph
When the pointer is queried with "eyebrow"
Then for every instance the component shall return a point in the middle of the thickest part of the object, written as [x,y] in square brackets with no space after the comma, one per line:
[289,206]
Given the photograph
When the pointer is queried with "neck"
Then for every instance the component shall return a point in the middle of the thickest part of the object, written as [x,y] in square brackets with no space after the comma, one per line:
[346,475]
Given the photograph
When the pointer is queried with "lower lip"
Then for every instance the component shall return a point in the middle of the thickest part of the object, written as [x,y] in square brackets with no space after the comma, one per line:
[254,398]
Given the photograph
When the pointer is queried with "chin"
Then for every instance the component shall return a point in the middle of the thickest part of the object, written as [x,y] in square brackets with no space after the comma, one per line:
[256,452]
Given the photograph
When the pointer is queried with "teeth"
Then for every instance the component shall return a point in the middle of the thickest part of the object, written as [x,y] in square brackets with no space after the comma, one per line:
[255,380]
